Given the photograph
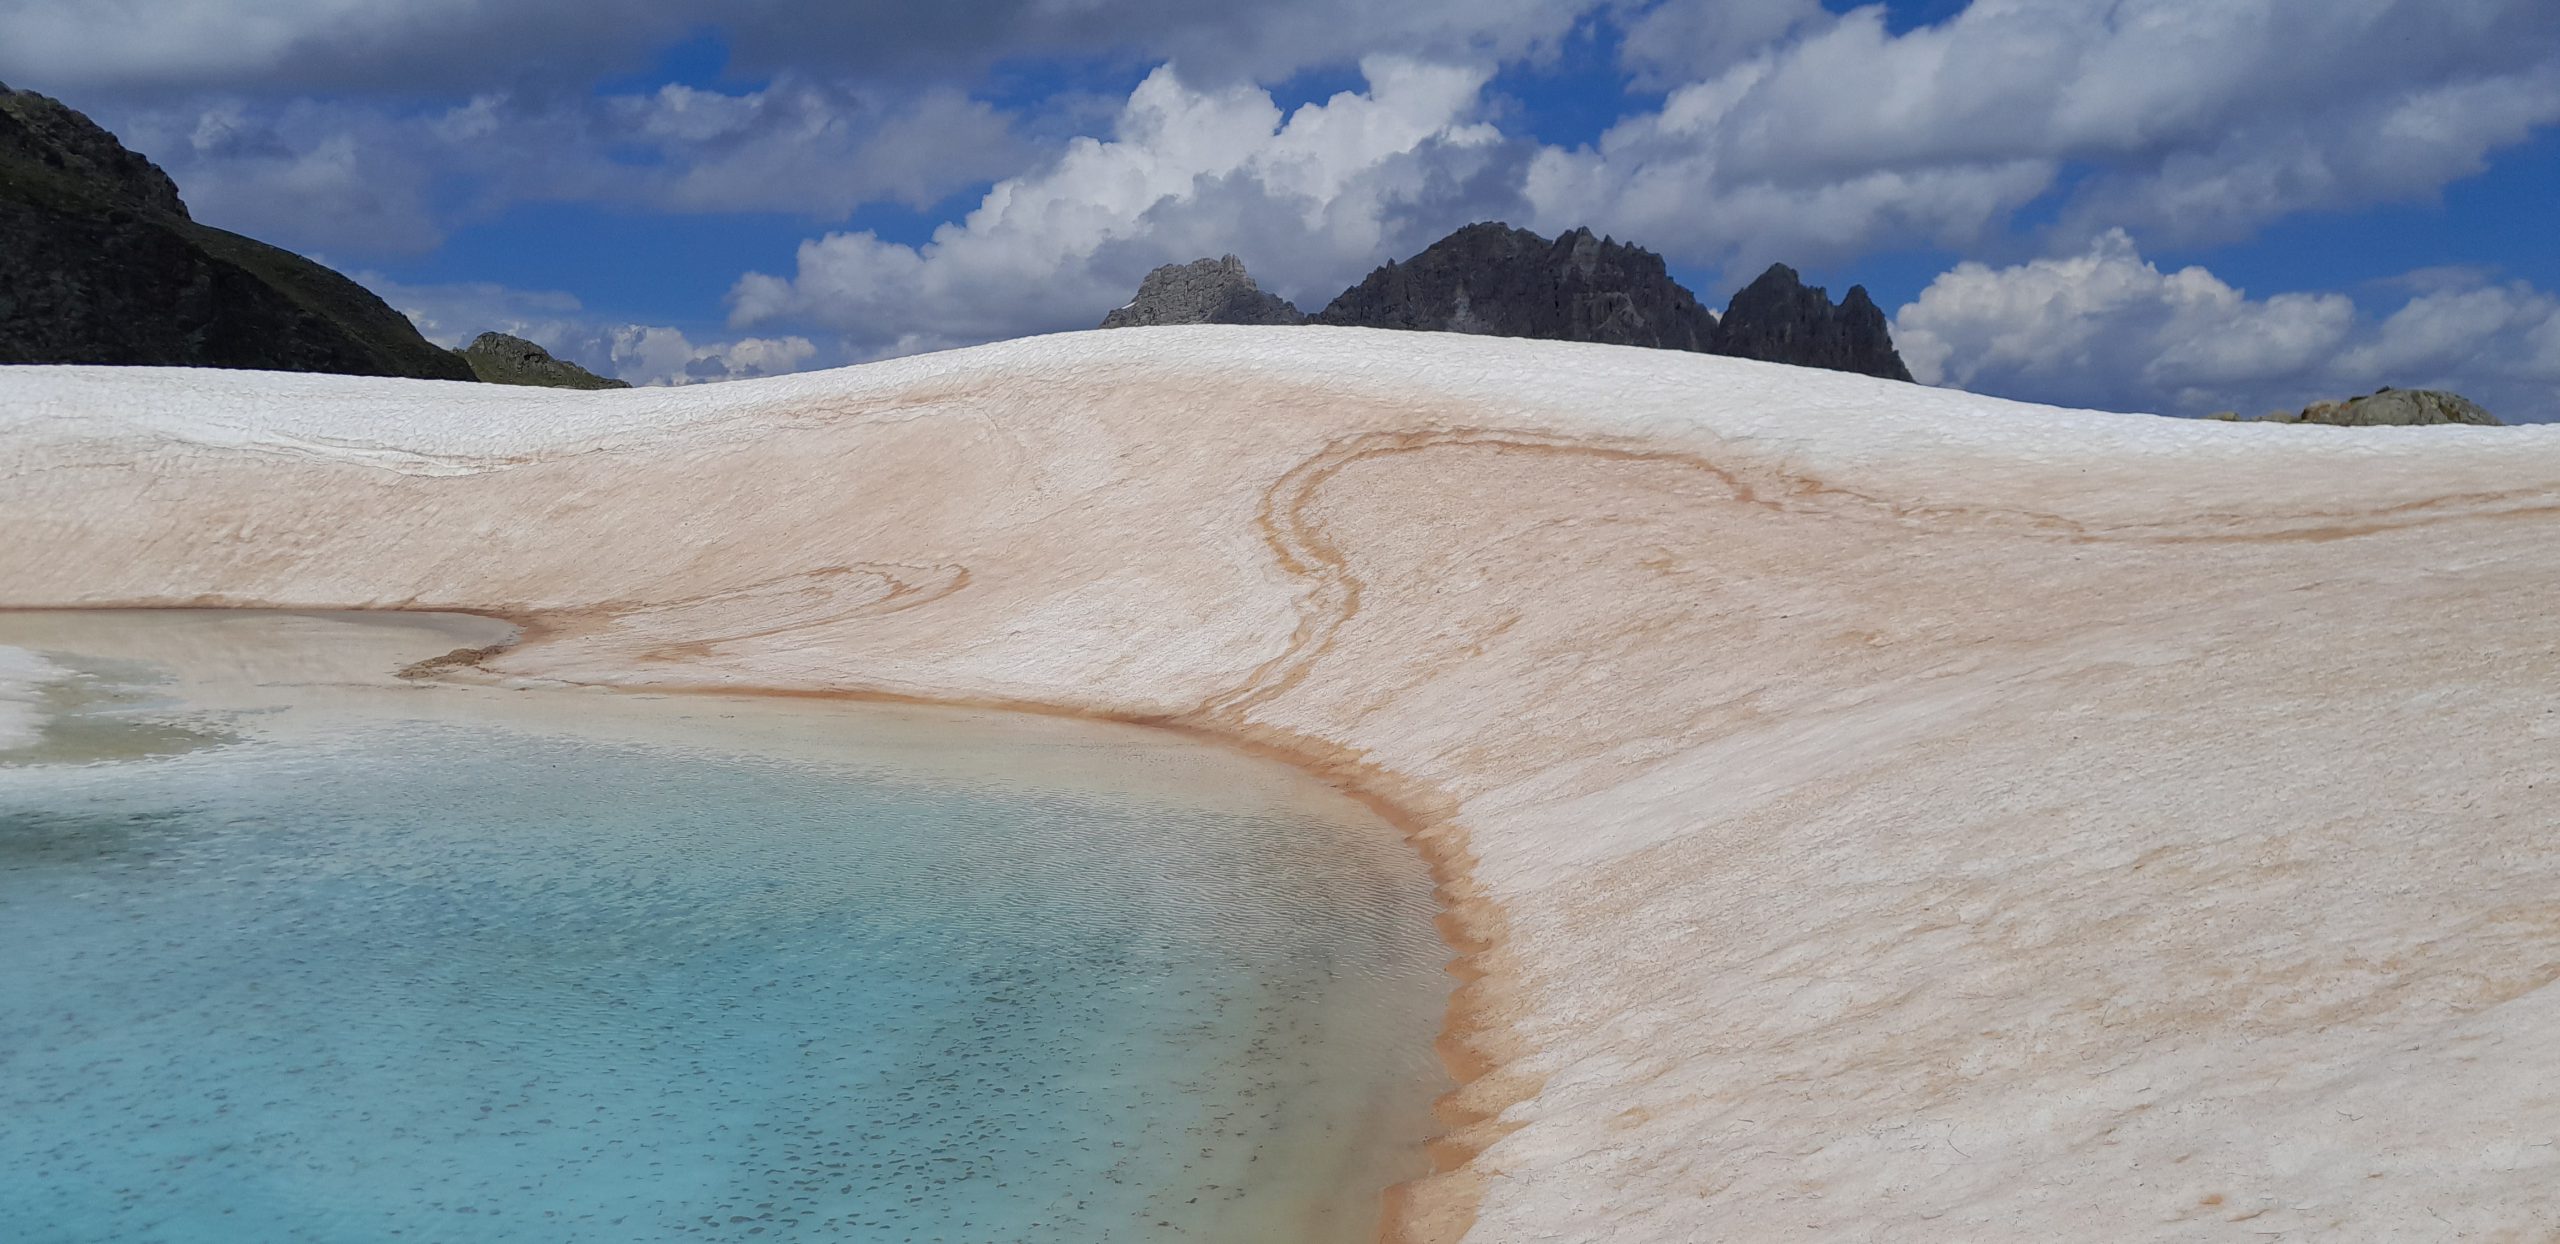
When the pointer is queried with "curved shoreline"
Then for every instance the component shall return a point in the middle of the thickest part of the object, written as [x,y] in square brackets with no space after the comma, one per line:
[1436,1208]
[296,678]
[1878,812]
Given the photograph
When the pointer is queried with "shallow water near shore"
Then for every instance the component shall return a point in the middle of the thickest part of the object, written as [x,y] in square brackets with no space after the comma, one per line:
[299,953]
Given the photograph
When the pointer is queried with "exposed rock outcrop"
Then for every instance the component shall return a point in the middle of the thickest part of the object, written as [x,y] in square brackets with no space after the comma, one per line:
[42,138]
[1504,282]
[2383,408]
[502,359]
[1779,319]
[1204,291]
[100,263]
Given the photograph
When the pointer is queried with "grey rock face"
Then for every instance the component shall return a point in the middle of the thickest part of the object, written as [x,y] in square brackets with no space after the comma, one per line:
[2397,408]
[2383,408]
[1491,278]
[501,359]
[1204,291]
[100,263]
[1779,319]
[1504,282]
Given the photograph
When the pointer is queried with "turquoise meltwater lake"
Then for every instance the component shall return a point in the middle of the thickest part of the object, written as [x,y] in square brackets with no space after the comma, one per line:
[297,952]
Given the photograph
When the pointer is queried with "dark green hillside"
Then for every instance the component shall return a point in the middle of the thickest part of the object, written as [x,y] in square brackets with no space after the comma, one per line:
[100,263]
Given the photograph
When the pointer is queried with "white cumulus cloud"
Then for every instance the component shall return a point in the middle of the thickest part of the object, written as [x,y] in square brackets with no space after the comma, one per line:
[360,176]
[1312,198]
[2180,120]
[646,354]
[415,46]
[2109,328]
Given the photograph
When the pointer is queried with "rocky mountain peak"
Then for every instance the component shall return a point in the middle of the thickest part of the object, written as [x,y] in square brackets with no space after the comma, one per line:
[1204,291]
[500,358]
[1500,281]
[1780,319]
[1492,279]
[2385,408]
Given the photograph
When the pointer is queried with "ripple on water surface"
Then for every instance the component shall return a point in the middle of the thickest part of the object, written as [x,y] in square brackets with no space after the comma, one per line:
[436,982]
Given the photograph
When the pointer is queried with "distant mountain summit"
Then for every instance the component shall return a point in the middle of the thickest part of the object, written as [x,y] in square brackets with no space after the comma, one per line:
[1504,282]
[502,359]
[1779,319]
[1205,291]
[100,263]
[2384,408]
[1498,281]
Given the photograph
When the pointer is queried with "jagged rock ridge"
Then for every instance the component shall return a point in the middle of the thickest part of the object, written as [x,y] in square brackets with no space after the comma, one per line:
[502,359]
[101,263]
[1779,319]
[2384,407]
[1504,282]
[1494,280]
[1205,291]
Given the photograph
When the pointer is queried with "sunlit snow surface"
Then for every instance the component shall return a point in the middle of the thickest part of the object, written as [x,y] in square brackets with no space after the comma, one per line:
[447,980]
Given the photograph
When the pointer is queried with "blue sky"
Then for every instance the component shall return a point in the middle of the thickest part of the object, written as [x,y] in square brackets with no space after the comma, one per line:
[2174,205]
